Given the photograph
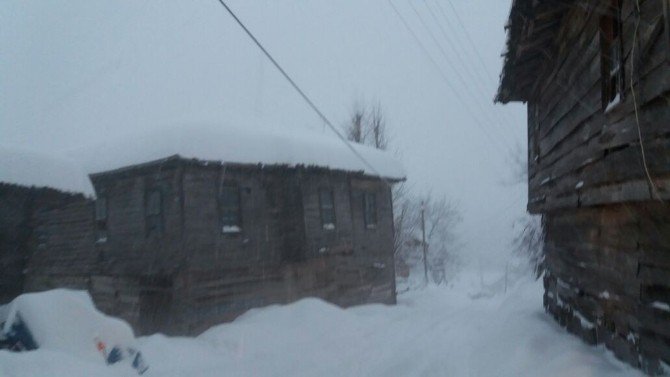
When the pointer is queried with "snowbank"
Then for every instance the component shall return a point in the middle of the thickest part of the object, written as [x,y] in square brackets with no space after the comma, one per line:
[436,331]
[66,321]
[30,168]
[254,146]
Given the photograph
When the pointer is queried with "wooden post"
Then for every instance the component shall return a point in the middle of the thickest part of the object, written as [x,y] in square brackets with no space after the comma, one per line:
[423,242]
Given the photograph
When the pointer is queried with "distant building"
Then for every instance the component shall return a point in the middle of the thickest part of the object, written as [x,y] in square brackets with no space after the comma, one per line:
[177,244]
[599,164]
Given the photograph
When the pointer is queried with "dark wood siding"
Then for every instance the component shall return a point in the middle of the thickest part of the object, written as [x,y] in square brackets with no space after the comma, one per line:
[582,155]
[609,277]
[63,252]
[130,248]
[606,232]
[19,207]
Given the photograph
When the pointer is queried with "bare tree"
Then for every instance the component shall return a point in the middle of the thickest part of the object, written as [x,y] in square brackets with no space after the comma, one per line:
[403,221]
[368,126]
[441,218]
[377,126]
[529,242]
[354,129]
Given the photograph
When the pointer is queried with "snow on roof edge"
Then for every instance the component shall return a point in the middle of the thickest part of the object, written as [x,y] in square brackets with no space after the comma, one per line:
[37,169]
[69,172]
[237,146]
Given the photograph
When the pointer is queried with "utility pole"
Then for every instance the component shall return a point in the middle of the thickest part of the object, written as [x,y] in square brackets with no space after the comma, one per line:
[423,242]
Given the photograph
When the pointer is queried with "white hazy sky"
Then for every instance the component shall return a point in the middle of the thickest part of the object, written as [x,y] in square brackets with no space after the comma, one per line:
[78,72]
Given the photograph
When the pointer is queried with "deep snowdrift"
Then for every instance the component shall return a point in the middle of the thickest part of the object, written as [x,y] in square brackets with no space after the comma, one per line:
[438,331]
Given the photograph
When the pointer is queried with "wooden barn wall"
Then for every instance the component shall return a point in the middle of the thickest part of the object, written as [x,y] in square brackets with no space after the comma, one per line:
[283,253]
[63,253]
[578,154]
[193,275]
[339,240]
[18,207]
[129,248]
[207,246]
[374,247]
[608,278]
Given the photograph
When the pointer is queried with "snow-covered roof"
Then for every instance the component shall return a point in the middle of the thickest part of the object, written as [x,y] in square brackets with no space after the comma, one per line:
[31,168]
[238,146]
[69,171]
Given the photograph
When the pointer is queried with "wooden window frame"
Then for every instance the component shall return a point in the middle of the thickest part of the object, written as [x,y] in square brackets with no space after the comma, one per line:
[611,57]
[324,209]
[370,205]
[154,219]
[232,225]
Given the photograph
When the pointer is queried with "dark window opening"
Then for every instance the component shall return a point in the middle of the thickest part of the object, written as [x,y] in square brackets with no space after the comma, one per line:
[612,56]
[370,210]
[230,209]
[101,219]
[154,212]
[327,207]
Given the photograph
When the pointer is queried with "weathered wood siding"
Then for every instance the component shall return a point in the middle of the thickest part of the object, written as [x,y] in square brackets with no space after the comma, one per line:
[283,252]
[193,275]
[63,253]
[607,235]
[129,248]
[580,155]
[609,278]
[19,209]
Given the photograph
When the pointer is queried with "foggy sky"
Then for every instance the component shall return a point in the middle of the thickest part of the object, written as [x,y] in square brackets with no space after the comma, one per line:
[74,73]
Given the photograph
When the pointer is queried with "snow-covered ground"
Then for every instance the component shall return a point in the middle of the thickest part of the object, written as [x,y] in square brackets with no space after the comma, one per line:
[460,330]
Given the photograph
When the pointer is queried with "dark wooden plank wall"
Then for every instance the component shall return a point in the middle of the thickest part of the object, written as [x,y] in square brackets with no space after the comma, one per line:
[578,154]
[207,246]
[19,206]
[193,275]
[118,296]
[607,239]
[283,252]
[63,253]
[129,249]
[608,278]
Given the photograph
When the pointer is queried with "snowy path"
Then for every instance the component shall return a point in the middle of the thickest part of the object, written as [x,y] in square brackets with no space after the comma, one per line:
[434,332]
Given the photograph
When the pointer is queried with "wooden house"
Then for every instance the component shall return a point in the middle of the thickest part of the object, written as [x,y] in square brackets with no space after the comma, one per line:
[595,75]
[19,208]
[30,183]
[178,244]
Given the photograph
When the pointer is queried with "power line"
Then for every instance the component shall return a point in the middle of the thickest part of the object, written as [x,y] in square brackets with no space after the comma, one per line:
[473,47]
[302,93]
[487,116]
[467,88]
[446,80]
[467,35]
[467,68]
